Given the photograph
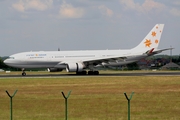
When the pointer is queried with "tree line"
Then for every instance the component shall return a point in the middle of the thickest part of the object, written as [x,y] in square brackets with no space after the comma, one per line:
[2,65]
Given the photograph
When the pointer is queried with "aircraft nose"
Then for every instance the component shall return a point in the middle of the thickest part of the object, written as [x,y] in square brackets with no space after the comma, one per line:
[6,62]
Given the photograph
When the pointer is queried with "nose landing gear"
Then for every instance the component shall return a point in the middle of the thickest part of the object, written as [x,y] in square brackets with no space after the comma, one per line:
[23,72]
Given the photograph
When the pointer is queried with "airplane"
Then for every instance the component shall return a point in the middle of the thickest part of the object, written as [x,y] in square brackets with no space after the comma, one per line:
[80,61]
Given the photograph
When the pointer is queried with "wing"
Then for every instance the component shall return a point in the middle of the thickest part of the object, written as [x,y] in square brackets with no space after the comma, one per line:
[97,61]
[124,59]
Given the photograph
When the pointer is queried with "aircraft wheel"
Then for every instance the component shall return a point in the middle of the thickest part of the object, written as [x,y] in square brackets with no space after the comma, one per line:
[81,73]
[96,72]
[23,74]
[84,72]
[78,73]
[90,73]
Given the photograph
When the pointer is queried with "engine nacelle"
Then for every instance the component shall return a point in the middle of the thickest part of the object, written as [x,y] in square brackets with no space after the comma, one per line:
[74,67]
[54,70]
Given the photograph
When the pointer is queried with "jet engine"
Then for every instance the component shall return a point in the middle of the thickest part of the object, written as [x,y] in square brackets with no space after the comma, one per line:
[74,67]
[54,70]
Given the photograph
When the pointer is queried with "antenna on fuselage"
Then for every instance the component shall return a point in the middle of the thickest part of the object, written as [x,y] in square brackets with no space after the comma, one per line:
[58,49]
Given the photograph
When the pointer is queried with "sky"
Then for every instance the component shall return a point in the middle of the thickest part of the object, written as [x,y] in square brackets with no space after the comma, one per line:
[46,25]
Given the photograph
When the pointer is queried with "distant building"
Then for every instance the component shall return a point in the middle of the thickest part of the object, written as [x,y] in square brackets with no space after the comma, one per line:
[170,65]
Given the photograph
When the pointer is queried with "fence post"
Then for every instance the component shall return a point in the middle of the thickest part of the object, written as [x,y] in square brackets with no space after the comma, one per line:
[129,103]
[11,97]
[66,104]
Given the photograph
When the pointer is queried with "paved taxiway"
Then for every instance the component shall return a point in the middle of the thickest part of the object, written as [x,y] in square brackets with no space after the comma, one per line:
[100,75]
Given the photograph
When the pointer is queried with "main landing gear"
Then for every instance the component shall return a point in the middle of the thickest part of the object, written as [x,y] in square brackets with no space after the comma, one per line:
[23,72]
[77,73]
[89,73]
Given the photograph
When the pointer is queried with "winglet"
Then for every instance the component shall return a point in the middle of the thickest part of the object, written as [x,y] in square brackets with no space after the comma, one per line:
[150,51]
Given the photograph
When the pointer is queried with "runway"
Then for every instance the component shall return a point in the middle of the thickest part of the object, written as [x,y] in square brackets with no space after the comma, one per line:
[151,73]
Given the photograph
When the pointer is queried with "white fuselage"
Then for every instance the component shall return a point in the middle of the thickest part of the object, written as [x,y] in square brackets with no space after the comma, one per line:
[53,59]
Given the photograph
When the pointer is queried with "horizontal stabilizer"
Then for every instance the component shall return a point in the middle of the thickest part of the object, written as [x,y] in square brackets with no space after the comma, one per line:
[161,50]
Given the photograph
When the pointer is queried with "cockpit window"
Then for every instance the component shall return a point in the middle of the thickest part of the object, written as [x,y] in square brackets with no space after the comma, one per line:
[10,57]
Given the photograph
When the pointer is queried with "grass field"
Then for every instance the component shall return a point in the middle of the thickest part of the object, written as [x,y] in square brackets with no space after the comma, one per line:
[92,98]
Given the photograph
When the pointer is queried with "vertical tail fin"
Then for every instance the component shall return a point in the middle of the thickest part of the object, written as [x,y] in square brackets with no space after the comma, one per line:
[152,39]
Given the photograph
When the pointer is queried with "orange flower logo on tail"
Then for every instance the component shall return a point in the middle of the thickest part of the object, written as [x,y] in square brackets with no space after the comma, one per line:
[147,43]
[156,41]
[153,34]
